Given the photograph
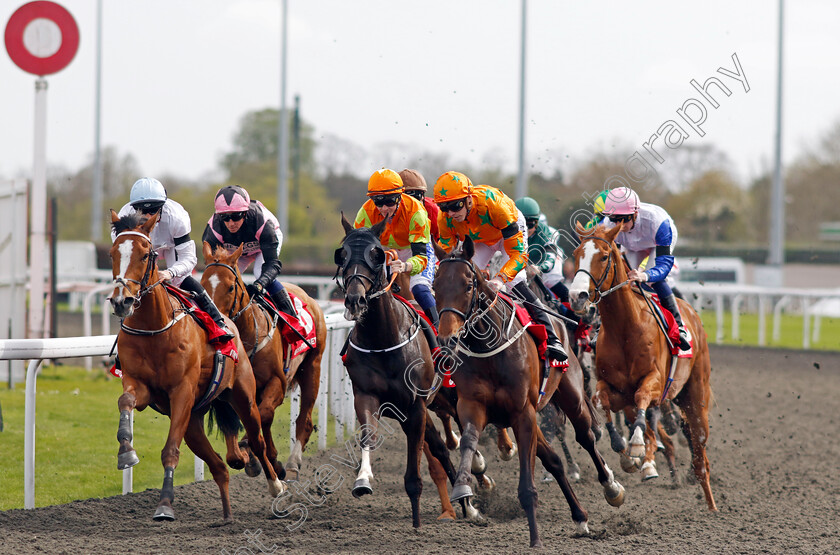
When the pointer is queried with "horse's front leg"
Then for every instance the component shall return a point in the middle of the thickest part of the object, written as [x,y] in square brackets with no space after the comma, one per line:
[473,418]
[366,406]
[525,430]
[551,461]
[180,406]
[272,397]
[648,389]
[414,427]
[134,394]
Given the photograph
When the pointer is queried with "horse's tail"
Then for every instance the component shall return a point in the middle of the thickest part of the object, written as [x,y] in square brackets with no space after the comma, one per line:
[225,417]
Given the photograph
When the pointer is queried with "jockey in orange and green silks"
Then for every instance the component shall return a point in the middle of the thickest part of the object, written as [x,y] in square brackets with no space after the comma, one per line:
[407,231]
[494,223]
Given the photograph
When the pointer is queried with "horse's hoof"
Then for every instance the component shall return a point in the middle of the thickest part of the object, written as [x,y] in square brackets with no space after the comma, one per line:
[236,464]
[627,465]
[253,469]
[460,492]
[617,493]
[649,471]
[582,528]
[453,442]
[447,517]
[472,514]
[127,459]
[479,465]
[488,484]
[292,475]
[506,456]
[164,513]
[362,487]
[277,487]
[637,451]
[573,474]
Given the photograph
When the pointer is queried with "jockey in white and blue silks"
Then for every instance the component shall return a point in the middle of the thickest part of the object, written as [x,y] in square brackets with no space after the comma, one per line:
[646,231]
[171,241]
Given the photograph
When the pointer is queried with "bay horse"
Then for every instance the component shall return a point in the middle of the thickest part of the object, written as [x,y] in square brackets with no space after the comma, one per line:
[633,358]
[501,385]
[389,362]
[168,364]
[267,351]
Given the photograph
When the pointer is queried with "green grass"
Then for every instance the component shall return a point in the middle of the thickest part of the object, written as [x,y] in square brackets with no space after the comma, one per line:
[76,440]
[791,331]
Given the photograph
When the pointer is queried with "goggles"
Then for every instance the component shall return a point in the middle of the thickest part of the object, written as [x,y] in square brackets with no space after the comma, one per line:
[149,207]
[231,216]
[385,200]
[621,218]
[452,205]
[418,194]
[532,222]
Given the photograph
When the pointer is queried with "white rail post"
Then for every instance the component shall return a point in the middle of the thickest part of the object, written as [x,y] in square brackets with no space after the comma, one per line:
[719,318]
[762,320]
[198,468]
[323,398]
[806,322]
[128,473]
[29,435]
[736,316]
[294,412]
[777,317]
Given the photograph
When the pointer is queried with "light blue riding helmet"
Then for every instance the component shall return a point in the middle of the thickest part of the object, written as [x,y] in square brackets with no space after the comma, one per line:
[147,190]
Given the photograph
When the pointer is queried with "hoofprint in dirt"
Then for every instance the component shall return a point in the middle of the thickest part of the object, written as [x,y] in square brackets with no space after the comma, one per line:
[774,447]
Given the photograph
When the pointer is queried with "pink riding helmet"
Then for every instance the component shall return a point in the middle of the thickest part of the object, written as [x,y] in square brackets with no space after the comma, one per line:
[232,198]
[621,201]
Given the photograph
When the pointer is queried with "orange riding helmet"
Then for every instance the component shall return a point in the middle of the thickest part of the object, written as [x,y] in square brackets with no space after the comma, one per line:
[452,186]
[385,182]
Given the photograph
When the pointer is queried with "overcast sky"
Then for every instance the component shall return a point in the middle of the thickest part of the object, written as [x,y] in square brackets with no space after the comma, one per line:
[441,75]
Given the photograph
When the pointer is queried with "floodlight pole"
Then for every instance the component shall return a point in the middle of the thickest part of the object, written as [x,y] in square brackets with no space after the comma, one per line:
[96,214]
[521,178]
[777,199]
[283,133]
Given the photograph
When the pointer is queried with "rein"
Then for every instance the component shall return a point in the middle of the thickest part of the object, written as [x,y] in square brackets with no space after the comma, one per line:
[236,288]
[599,282]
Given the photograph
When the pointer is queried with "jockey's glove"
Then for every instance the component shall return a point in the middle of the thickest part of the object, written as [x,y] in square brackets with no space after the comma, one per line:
[254,289]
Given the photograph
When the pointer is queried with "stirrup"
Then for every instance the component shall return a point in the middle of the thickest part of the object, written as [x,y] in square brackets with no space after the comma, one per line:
[556,351]
[684,343]
[226,336]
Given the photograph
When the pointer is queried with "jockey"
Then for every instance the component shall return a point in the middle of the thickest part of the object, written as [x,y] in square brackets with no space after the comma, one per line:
[646,230]
[491,219]
[238,220]
[415,186]
[543,251]
[407,231]
[171,240]
[597,210]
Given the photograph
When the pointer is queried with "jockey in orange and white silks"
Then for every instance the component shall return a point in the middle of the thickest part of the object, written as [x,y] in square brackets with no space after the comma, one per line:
[646,231]
[238,220]
[494,223]
[407,231]
[171,241]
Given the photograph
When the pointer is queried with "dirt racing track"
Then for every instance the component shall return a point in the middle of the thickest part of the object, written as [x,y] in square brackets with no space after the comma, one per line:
[773,448]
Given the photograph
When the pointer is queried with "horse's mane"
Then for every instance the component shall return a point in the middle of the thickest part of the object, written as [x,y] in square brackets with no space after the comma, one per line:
[126,223]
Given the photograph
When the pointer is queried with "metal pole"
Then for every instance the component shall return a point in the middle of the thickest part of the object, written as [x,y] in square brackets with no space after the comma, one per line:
[96,200]
[777,208]
[521,179]
[283,131]
[296,149]
[38,202]
[29,434]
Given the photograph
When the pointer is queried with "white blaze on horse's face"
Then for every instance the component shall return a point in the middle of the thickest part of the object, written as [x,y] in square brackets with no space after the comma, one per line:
[214,282]
[125,249]
[580,284]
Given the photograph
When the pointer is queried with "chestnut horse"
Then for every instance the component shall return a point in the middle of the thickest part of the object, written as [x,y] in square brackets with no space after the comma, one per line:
[390,365]
[167,364]
[266,349]
[501,385]
[633,359]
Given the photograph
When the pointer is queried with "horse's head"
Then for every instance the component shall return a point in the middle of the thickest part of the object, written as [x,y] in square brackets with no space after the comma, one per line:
[132,261]
[361,266]
[596,262]
[458,286]
[222,280]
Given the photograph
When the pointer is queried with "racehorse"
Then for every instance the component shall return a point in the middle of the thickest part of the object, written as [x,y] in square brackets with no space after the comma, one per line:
[633,356]
[390,365]
[167,364]
[501,385]
[267,350]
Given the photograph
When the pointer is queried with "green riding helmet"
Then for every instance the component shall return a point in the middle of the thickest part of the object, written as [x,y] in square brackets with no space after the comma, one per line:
[598,210]
[529,208]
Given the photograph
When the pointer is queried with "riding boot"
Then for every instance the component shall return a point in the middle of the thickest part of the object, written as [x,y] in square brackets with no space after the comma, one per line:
[670,303]
[205,303]
[284,302]
[533,306]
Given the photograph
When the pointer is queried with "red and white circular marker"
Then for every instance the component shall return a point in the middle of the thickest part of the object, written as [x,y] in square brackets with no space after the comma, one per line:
[42,38]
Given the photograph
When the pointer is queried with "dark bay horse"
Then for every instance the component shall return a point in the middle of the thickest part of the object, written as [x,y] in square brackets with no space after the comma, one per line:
[389,363]
[167,364]
[633,360]
[267,349]
[498,373]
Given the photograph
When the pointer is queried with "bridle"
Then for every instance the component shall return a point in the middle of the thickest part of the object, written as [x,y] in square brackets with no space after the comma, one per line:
[147,274]
[473,299]
[238,291]
[599,282]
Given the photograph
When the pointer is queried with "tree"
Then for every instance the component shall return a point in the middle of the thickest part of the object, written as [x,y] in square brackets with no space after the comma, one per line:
[711,209]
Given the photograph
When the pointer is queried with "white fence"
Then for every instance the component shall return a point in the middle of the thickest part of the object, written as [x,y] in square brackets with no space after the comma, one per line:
[813,304]
[335,396]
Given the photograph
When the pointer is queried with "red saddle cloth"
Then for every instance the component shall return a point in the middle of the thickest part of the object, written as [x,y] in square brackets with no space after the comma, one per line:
[536,330]
[447,374]
[304,324]
[673,330]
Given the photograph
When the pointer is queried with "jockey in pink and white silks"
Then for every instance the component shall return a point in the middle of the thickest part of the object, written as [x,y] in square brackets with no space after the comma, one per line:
[171,241]
[238,220]
[646,231]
